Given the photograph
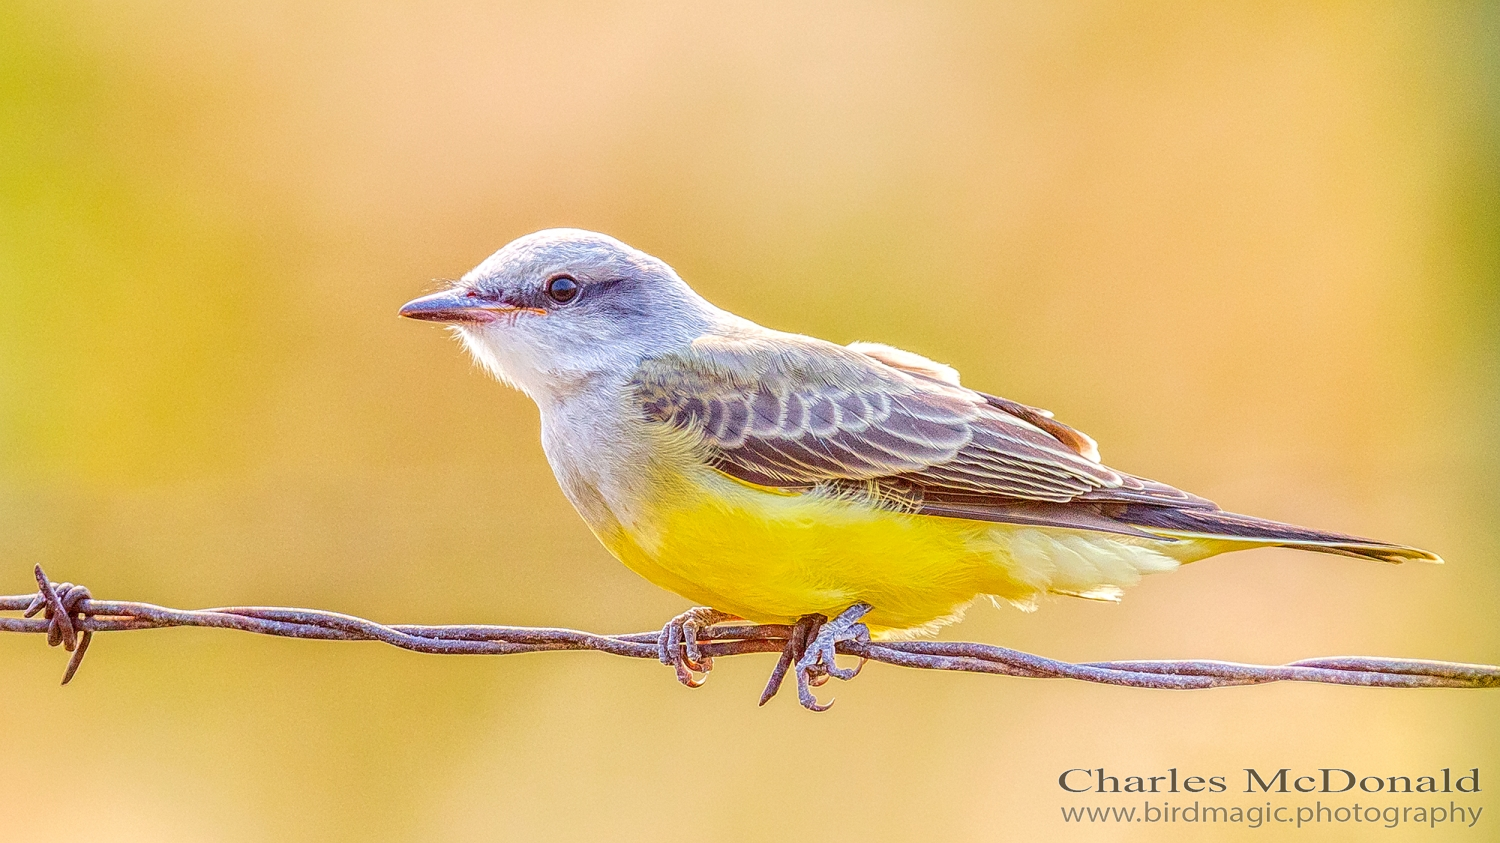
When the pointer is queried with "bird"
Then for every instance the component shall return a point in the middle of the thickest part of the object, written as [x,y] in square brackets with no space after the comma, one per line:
[850,490]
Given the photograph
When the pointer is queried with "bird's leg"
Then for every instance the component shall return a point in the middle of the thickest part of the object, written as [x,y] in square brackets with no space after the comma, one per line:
[678,644]
[811,647]
[817,661]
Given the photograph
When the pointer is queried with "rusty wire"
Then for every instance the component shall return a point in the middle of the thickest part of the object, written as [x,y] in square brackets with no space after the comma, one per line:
[71,616]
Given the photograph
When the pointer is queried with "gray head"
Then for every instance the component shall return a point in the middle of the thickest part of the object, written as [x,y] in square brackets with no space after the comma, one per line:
[556,308]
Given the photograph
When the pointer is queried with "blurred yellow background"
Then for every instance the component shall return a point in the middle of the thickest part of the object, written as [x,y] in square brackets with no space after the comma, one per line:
[1253,249]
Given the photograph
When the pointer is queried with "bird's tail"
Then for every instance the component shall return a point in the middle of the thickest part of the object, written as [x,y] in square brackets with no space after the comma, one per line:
[1233,531]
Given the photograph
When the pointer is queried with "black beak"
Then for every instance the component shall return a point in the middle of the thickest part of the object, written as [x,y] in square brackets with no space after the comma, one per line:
[460,307]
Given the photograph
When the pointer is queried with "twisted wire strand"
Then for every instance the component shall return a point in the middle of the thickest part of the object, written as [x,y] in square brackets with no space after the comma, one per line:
[70,616]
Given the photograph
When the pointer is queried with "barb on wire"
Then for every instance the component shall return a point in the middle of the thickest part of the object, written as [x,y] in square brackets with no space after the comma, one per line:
[70,617]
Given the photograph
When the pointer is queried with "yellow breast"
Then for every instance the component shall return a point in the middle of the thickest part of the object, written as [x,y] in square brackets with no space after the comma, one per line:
[772,556]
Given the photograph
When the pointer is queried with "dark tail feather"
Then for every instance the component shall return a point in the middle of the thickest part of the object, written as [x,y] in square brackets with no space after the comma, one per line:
[1214,524]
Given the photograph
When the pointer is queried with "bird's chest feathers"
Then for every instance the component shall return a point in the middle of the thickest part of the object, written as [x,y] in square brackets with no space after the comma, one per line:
[610,462]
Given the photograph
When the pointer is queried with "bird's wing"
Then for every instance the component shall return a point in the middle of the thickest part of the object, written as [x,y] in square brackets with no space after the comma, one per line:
[918,365]
[794,412]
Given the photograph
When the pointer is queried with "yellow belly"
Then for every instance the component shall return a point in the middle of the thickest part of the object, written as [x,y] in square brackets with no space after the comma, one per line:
[772,557]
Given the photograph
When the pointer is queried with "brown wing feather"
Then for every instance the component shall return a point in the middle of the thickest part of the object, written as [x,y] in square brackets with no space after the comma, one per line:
[800,413]
[919,366]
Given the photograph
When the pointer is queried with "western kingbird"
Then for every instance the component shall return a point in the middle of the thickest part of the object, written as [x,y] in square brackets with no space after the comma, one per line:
[777,477]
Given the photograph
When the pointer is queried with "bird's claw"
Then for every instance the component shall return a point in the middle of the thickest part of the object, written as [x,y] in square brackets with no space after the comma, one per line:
[678,645]
[810,650]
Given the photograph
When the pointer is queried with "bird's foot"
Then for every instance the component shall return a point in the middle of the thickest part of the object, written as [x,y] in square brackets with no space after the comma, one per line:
[810,650]
[678,644]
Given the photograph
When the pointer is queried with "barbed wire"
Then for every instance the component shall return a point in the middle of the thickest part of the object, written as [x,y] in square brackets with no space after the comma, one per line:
[70,616]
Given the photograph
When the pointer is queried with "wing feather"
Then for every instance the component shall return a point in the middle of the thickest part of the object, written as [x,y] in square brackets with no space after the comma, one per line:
[795,412]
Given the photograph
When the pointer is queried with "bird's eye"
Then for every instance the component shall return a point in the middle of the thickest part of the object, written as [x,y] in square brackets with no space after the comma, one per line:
[562,289]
